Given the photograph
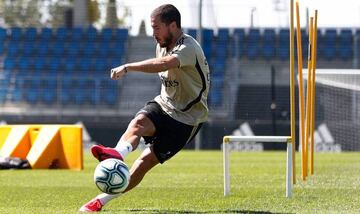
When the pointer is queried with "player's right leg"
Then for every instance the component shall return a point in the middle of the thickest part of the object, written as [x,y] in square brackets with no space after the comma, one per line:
[146,161]
[140,126]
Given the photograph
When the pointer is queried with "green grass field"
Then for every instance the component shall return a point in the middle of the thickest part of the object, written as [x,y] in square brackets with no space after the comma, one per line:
[192,182]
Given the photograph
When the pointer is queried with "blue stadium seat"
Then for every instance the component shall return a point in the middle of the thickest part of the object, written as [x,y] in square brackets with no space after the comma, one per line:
[284,34]
[253,43]
[24,65]
[77,34]
[239,42]
[109,92]
[215,98]
[4,85]
[10,63]
[32,90]
[216,92]
[218,69]
[91,34]
[3,93]
[3,34]
[30,34]
[78,91]
[207,41]
[69,65]
[46,34]
[90,92]
[268,44]
[85,93]
[268,51]
[49,90]
[220,51]
[114,62]
[16,33]
[42,48]
[29,48]
[269,35]
[89,49]
[117,49]
[328,48]
[54,65]
[62,34]
[2,47]
[14,49]
[208,35]
[58,48]
[191,32]
[345,47]
[100,66]
[17,92]
[72,49]
[67,91]
[223,34]
[39,64]
[207,48]
[283,48]
[222,42]
[84,65]
[106,35]
[103,49]
[121,34]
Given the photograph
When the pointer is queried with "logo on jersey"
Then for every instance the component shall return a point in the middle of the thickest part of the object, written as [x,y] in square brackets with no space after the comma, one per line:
[168,82]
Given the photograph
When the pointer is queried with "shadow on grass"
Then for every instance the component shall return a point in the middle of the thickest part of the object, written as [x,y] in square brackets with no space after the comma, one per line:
[193,212]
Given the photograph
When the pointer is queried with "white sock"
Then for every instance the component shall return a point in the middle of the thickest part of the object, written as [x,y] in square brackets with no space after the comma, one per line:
[105,198]
[124,148]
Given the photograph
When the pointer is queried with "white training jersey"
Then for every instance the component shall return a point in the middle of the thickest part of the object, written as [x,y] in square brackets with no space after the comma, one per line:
[185,89]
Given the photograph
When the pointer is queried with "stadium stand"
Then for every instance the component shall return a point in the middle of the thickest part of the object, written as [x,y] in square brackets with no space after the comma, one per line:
[38,61]
[47,66]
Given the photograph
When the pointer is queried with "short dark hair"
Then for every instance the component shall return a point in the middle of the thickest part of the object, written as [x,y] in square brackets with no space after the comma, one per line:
[168,13]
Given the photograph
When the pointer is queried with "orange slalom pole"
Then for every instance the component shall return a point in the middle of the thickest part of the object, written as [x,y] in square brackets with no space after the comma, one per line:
[314,39]
[308,102]
[301,85]
[292,90]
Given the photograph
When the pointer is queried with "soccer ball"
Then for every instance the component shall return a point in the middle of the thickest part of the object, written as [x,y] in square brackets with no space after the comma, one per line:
[112,176]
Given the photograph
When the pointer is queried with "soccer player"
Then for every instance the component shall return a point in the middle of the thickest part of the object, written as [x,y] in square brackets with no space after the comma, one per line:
[175,116]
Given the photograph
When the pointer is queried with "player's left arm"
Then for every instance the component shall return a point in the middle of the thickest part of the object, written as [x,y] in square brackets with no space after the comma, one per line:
[153,65]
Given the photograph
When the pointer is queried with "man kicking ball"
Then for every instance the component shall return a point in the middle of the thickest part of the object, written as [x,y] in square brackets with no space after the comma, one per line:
[174,117]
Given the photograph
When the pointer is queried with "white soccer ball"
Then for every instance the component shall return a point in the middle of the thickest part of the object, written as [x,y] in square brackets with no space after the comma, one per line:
[112,176]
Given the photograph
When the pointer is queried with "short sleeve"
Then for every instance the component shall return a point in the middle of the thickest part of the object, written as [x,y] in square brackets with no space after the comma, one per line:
[185,54]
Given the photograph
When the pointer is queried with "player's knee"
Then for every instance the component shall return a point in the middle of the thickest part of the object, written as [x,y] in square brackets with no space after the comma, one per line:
[136,126]
[140,126]
[147,161]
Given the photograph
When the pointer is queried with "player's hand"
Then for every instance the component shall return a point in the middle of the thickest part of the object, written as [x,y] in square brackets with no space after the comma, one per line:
[118,72]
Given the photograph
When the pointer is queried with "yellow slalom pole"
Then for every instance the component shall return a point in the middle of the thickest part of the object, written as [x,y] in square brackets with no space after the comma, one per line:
[301,85]
[292,89]
[314,39]
[308,104]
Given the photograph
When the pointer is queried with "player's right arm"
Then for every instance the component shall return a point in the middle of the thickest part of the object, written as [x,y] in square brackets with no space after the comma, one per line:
[153,65]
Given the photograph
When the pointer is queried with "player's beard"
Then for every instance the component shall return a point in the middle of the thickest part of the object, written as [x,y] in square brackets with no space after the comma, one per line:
[167,40]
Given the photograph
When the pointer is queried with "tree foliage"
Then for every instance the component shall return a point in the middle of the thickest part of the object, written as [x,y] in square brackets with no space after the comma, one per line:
[51,13]
[22,13]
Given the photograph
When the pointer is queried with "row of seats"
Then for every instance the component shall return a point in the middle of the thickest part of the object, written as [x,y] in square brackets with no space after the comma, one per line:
[53,65]
[255,43]
[46,66]
[66,91]
[61,48]
[63,34]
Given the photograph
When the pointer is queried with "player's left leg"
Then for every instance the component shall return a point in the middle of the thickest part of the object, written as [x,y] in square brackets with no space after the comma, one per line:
[140,126]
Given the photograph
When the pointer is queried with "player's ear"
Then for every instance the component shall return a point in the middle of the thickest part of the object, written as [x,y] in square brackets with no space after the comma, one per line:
[173,25]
